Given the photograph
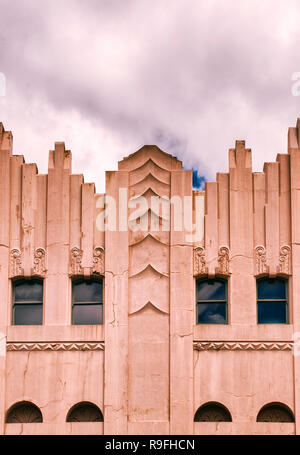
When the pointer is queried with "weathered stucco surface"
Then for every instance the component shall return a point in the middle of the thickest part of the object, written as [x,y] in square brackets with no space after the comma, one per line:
[149,367]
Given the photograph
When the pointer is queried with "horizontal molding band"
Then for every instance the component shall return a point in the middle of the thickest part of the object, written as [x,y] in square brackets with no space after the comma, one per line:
[56,346]
[243,345]
[197,345]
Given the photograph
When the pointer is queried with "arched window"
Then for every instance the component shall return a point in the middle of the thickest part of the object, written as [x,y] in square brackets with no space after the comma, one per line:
[27,302]
[275,412]
[24,412]
[212,412]
[211,302]
[272,301]
[87,299]
[84,412]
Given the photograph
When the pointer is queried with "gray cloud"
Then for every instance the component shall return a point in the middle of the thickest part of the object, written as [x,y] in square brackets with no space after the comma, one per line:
[107,77]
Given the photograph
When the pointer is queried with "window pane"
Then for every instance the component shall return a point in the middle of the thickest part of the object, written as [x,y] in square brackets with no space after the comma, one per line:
[211,290]
[212,313]
[87,314]
[271,289]
[271,312]
[27,314]
[87,291]
[29,291]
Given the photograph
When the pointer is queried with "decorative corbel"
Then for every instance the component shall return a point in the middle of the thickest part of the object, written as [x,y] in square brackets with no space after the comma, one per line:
[98,261]
[16,268]
[260,261]
[75,261]
[39,262]
[223,261]
[200,267]
[284,266]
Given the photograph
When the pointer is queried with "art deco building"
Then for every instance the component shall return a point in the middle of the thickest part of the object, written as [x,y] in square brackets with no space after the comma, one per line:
[151,325]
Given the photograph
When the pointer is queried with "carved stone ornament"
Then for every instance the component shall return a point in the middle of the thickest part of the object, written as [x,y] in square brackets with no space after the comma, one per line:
[16,262]
[199,261]
[223,261]
[56,346]
[242,346]
[39,262]
[284,260]
[98,260]
[75,259]
[260,261]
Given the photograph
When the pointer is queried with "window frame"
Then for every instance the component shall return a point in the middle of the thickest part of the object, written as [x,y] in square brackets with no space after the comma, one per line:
[286,300]
[81,279]
[14,282]
[224,301]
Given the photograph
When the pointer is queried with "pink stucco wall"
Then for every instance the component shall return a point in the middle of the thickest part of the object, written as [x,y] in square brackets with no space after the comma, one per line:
[149,366]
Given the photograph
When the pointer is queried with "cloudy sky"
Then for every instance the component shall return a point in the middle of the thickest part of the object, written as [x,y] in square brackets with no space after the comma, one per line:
[108,76]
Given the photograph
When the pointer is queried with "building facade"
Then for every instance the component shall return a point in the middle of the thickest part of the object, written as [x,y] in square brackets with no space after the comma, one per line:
[155,308]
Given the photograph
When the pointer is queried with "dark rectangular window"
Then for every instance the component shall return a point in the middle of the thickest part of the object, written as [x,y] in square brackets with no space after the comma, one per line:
[272,303]
[211,302]
[28,302]
[87,302]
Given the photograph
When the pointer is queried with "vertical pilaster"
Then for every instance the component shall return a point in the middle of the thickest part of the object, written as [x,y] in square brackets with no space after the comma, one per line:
[41,212]
[211,226]
[182,313]
[294,153]
[284,200]
[99,235]
[243,304]
[116,315]
[75,210]
[29,206]
[16,201]
[87,216]
[223,208]
[5,303]
[272,216]
[259,188]
[57,298]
